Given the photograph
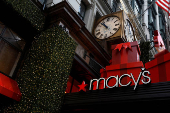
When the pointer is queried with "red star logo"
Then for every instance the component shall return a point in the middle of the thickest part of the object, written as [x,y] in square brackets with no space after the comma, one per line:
[82,86]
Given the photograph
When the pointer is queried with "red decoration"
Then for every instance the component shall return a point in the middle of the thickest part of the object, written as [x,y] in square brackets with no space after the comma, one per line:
[158,39]
[125,53]
[161,53]
[72,85]
[158,42]
[82,86]
[69,84]
[159,67]
[75,87]
[9,88]
[120,69]
[125,45]
[125,60]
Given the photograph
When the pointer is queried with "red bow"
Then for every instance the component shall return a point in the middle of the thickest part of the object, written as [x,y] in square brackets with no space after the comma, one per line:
[125,45]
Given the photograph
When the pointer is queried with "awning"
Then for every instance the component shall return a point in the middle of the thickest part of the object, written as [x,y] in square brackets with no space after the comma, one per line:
[154,96]
[9,88]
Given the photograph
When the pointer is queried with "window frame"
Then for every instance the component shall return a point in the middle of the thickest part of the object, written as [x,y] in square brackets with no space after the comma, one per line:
[139,3]
[15,68]
[114,2]
[85,8]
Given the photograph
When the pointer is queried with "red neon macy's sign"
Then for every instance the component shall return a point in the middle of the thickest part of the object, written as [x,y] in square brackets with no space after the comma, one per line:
[118,80]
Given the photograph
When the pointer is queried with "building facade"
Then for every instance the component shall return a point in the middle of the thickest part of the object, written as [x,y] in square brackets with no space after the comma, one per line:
[71,21]
[148,17]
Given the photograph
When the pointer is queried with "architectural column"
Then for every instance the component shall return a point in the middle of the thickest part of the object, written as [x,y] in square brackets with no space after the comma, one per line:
[145,16]
[167,30]
[145,19]
[89,16]
[157,18]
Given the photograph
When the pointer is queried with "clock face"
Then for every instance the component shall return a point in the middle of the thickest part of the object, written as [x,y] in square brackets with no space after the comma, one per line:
[107,27]
[128,31]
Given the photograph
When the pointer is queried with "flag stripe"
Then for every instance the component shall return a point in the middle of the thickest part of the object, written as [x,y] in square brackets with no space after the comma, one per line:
[163,6]
[164,3]
[167,1]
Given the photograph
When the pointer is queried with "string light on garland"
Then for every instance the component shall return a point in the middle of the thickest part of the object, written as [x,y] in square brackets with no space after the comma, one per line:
[29,11]
[44,76]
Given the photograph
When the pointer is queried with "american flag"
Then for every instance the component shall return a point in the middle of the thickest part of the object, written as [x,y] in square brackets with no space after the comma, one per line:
[165,5]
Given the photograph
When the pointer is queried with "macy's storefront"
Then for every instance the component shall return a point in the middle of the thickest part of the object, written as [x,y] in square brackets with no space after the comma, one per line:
[125,84]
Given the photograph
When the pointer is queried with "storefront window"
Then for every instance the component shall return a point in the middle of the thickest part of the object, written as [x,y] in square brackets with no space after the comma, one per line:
[79,6]
[114,6]
[93,64]
[75,4]
[56,1]
[41,1]
[11,47]
[82,10]
[137,8]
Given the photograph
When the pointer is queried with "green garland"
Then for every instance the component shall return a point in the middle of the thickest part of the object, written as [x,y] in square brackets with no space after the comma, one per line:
[45,73]
[29,11]
[145,48]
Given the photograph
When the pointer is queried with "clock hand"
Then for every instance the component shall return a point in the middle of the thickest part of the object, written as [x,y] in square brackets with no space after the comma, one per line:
[104,25]
[107,27]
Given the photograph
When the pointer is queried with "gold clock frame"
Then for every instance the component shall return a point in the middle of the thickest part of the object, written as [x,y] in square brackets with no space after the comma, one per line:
[119,33]
[101,19]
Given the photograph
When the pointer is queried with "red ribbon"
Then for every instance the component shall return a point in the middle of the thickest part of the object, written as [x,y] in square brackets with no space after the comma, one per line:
[125,45]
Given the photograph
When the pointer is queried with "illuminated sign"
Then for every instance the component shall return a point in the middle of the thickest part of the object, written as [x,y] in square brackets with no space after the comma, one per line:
[146,80]
[118,80]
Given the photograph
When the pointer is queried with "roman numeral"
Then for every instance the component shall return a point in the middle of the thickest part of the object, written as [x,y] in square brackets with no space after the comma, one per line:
[115,29]
[105,36]
[101,35]
[108,19]
[103,22]
[116,24]
[98,33]
[97,30]
[115,21]
[99,26]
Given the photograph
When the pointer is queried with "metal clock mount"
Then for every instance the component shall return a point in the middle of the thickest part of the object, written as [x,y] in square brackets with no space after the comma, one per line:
[129,32]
